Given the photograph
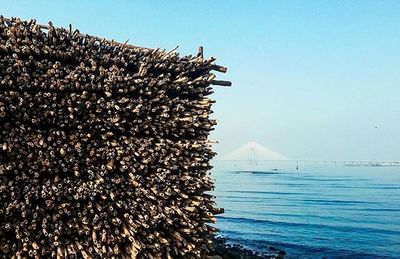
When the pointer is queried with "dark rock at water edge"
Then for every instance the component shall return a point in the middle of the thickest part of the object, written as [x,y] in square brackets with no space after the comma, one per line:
[235,251]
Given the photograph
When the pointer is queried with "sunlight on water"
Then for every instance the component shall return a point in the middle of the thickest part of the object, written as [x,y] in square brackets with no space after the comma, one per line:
[316,211]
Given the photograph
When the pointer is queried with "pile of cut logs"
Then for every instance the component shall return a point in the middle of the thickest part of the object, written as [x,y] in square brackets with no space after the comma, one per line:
[104,149]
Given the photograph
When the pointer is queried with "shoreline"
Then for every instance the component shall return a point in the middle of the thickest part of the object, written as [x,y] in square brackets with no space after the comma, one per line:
[224,250]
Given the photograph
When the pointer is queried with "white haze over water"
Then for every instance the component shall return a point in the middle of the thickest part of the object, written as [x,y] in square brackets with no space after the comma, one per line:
[253,151]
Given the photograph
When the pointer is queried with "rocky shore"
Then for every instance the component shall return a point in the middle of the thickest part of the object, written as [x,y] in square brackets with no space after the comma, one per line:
[224,250]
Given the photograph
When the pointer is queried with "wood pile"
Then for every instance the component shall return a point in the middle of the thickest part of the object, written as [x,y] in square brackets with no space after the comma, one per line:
[104,149]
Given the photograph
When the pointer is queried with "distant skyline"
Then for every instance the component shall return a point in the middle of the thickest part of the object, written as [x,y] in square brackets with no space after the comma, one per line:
[311,79]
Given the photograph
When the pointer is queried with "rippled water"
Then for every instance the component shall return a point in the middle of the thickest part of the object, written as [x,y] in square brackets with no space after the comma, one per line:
[312,212]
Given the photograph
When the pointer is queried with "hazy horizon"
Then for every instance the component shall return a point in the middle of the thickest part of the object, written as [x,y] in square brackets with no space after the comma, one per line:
[311,79]
[255,151]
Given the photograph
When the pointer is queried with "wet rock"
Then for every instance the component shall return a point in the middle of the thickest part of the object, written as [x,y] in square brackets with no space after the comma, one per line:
[236,251]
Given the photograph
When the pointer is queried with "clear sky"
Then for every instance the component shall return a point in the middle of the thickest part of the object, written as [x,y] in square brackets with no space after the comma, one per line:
[311,79]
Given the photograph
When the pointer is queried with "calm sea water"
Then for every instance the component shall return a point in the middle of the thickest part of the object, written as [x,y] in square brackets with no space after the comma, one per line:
[336,212]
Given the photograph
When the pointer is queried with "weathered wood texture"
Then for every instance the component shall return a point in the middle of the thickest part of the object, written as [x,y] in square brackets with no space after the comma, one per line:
[104,147]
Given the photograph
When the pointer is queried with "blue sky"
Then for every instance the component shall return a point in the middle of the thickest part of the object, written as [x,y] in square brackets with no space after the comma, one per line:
[311,79]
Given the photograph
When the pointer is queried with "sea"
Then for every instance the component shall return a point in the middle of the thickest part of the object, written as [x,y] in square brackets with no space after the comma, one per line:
[310,211]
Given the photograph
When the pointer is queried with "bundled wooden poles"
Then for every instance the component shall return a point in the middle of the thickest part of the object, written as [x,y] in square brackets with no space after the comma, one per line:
[104,147]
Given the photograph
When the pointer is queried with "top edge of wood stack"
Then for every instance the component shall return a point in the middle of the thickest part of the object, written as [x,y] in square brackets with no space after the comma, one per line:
[163,54]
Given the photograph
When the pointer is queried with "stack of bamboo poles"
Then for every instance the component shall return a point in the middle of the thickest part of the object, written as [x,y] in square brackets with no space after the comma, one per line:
[104,149]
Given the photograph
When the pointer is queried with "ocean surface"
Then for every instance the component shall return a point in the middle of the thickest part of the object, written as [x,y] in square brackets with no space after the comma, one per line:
[312,212]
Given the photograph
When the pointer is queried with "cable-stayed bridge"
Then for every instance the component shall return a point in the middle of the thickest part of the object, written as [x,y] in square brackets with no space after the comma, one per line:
[313,163]
[254,154]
